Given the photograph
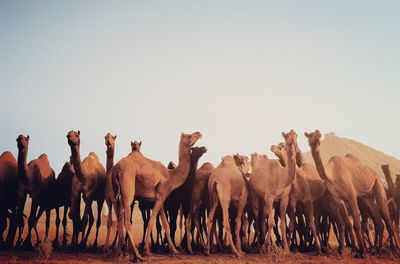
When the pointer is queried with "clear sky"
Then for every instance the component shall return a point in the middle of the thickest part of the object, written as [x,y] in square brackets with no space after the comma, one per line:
[238,71]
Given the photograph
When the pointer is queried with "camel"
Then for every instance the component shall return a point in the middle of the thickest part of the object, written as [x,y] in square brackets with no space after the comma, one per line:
[227,186]
[110,143]
[36,176]
[177,198]
[8,196]
[90,182]
[56,195]
[347,179]
[137,177]
[199,199]
[270,181]
[299,193]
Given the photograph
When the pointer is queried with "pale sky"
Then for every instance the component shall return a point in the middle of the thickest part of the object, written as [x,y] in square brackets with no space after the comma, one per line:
[238,71]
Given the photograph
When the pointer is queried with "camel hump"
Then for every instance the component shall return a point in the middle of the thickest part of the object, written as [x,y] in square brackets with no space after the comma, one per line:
[7,155]
[353,158]
[94,156]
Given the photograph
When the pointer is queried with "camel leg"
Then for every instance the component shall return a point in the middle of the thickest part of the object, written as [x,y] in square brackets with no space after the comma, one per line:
[173,216]
[145,221]
[210,221]
[226,225]
[282,209]
[31,223]
[308,210]
[238,226]
[58,221]
[334,210]
[129,227]
[48,218]
[291,210]
[98,221]
[3,225]
[109,225]
[39,214]
[167,232]
[87,216]
[188,224]
[355,212]
[64,223]
[76,218]
[269,211]
[156,209]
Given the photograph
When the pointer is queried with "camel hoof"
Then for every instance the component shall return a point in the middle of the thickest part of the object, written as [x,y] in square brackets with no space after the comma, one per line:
[206,253]
[190,251]
[174,252]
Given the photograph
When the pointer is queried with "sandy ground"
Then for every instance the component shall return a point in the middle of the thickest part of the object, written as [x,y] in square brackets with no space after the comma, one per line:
[64,256]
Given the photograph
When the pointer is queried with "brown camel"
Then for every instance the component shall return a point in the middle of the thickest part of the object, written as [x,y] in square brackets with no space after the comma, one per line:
[136,176]
[90,182]
[36,176]
[8,196]
[270,181]
[227,186]
[347,179]
[199,199]
[178,197]
[300,193]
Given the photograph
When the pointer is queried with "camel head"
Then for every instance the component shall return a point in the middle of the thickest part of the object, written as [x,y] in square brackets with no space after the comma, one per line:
[171,165]
[290,142]
[135,145]
[197,152]
[23,142]
[188,140]
[314,138]
[74,138]
[110,141]
[280,152]
[242,162]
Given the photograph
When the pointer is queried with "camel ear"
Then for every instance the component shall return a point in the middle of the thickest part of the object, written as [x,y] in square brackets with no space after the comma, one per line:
[115,137]
[27,137]
[306,134]
[140,143]
[284,135]
[79,132]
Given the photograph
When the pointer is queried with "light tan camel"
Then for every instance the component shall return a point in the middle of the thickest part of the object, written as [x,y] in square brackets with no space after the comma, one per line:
[136,176]
[347,179]
[198,199]
[269,182]
[299,193]
[8,196]
[35,177]
[90,182]
[227,186]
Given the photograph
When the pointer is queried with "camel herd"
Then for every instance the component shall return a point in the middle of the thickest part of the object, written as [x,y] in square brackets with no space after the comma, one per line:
[242,204]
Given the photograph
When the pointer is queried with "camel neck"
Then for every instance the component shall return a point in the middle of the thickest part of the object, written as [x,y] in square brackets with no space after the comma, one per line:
[110,158]
[389,180]
[194,161]
[180,174]
[299,157]
[22,157]
[318,163]
[76,161]
[291,163]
